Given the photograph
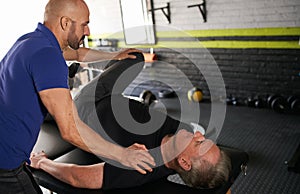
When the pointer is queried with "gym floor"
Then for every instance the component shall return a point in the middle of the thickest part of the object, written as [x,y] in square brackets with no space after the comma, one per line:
[270,138]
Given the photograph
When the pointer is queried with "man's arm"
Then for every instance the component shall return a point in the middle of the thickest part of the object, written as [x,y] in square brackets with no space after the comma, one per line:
[92,55]
[60,105]
[82,176]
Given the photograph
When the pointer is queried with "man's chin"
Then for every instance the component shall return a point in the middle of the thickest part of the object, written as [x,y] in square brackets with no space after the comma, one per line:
[75,47]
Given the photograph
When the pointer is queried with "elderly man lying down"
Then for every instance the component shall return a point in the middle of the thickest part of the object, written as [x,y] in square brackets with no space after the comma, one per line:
[175,146]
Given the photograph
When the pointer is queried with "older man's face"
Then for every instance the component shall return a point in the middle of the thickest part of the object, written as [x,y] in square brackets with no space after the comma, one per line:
[196,146]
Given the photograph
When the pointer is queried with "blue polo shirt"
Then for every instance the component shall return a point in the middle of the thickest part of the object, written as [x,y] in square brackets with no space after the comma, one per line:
[34,63]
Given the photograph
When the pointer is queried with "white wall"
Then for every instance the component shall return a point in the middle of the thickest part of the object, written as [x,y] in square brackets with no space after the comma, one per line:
[221,14]
[18,17]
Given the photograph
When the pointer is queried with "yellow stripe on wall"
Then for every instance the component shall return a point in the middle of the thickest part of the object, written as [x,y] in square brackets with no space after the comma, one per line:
[288,31]
[220,44]
[292,31]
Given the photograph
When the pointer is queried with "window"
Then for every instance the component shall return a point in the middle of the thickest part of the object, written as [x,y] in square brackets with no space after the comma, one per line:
[137,21]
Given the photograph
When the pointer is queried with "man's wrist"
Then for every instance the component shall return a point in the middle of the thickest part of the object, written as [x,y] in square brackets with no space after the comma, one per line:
[41,163]
[118,153]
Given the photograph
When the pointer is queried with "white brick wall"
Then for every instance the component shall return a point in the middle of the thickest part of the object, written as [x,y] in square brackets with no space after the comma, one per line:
[233,14]
[221,14]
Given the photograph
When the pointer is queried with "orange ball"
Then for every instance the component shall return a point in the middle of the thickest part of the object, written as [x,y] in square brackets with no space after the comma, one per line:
[195,95]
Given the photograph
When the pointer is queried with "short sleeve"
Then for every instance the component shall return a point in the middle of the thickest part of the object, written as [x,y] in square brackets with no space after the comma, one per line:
[49,69]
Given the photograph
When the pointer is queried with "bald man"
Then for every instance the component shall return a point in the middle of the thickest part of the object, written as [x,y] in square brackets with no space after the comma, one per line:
[34,82]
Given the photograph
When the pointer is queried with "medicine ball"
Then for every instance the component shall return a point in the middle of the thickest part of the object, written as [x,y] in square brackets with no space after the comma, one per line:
[195,95]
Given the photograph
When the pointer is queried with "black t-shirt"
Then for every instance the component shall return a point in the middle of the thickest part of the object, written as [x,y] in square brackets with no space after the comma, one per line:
[116,175]
[122,177]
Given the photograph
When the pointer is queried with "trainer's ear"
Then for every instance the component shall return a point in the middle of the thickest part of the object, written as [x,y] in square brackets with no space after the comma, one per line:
[64,22]
[185,163]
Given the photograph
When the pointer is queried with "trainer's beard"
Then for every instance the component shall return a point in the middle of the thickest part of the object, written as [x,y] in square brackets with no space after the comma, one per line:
[77,45]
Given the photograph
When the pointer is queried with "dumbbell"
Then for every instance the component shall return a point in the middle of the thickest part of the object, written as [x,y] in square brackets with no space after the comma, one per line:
[259,103]
[147,97]
[235,101]
[250,102]
[256,102]
[231,100]
[277,103]
[294,103]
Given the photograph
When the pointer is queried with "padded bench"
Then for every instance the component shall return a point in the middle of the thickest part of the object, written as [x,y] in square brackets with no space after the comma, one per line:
[56,148]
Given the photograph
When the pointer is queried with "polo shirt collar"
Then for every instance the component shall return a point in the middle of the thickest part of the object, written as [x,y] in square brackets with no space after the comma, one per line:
[49,34]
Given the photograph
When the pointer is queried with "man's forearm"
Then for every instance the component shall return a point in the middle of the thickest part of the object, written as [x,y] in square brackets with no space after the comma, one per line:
[93,142]
[92,55]
[90,176]
[60,171]
[81,135]
[87,55]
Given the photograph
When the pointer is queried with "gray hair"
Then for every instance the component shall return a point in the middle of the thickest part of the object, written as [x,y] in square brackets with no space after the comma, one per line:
[203,174]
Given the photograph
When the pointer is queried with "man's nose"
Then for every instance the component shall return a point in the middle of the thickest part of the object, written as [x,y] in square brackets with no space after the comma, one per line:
[87,31]
[198,135]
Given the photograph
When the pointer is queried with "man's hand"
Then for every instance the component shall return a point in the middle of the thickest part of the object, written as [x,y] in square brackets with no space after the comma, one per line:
[137,146]
[124,54]
[137,157]
[36,159]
